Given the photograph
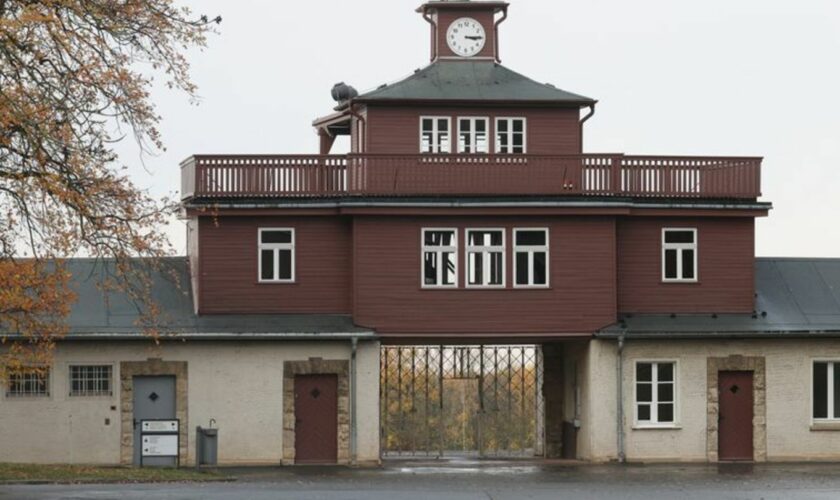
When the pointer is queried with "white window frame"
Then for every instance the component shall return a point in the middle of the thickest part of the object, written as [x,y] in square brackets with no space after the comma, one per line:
[439,250]
[530,250]
[510,119]
[680,247]
[69,370]
[9,396]
[469,249]
[473,147]
[276,247]
[829,387]
[654,423]
[436,149]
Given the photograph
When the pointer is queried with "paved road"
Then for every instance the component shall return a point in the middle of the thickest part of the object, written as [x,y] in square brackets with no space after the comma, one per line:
[467,480]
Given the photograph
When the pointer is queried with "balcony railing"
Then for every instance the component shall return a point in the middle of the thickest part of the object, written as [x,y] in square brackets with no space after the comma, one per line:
[273,176]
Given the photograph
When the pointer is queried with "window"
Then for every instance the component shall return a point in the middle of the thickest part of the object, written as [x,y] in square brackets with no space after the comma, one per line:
[510,135]
[679,255]
[90,380]
[472,135]
[435,135]
[277,255]
[530,257]
[440,258]
[486,257]
[826,385]
[655,393]
[30,382]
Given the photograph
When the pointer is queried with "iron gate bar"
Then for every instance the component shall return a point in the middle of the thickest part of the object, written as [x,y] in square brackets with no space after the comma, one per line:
[507,372]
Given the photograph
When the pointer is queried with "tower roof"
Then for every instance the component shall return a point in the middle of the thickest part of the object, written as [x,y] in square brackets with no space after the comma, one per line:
[462,4]
[472,81]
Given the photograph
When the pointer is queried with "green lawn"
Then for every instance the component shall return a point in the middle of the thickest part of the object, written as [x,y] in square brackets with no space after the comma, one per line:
[85,474]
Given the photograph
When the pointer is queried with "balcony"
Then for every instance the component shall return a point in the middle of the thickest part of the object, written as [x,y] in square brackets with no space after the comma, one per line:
[598,175]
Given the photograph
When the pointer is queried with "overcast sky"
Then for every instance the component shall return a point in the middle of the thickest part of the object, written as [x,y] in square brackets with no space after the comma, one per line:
[711,77]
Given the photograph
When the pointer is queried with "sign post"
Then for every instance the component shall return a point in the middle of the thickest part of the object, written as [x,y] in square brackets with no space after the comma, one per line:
[160,438]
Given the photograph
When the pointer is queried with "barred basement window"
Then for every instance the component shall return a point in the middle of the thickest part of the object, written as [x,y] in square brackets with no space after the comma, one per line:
[90,380]
[510,135]
[440,258]
[472,135]
[435,135]
[277,255]
[655,393]
[826,390]
[679,255]
[485,257]
[29,383]
[530,257]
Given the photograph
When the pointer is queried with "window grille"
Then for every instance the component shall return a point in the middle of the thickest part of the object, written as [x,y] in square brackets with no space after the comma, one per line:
[29,383]
[91,380]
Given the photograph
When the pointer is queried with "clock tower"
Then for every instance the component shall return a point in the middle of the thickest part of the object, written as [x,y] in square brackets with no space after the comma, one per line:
[464,29]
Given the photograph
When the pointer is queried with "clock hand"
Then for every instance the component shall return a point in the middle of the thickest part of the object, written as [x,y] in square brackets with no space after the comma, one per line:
[473,37]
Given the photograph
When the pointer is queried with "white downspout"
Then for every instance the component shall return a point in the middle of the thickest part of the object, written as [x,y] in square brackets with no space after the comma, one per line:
[620,386]
[353,422]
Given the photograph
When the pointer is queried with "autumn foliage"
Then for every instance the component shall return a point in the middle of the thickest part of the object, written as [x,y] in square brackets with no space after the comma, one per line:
[76,77]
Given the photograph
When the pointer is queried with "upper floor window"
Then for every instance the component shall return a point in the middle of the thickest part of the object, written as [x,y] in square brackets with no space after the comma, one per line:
[90,380]
[530,257]
[485,257]
[826,390]
[510,135]
[277,255]
[473,135]
[440,258]
[679,255]
[655,393]
[435,135]
[29,382]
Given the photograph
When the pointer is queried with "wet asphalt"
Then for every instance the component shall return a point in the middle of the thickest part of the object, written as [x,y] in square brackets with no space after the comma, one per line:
[469,480]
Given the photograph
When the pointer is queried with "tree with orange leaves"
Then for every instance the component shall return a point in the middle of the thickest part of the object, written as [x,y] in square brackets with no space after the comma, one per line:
[71,72]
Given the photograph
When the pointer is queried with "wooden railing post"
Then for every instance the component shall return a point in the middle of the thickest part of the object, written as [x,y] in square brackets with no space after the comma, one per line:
[616,165]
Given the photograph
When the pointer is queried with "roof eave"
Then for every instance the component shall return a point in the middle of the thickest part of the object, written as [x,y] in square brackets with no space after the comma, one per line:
[388,101]
[461,5]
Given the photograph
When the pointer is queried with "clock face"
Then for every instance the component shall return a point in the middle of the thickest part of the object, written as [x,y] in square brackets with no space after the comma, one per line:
[466,37]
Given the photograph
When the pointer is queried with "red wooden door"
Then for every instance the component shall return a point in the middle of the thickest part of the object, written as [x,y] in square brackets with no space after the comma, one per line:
[735,415]
[316,419]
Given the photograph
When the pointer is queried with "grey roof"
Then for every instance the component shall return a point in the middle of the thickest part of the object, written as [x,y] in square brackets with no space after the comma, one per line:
[99,313]
[794,296]
[471,81]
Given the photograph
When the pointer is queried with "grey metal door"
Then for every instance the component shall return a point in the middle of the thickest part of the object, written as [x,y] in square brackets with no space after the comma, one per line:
[154,398]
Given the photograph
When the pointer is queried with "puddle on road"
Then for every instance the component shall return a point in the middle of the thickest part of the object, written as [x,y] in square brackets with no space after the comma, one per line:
[487,470]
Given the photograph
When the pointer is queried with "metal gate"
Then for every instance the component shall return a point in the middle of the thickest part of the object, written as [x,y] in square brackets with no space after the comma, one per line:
[483,401]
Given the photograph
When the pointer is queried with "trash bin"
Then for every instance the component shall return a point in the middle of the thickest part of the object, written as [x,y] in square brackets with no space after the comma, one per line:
[206,446]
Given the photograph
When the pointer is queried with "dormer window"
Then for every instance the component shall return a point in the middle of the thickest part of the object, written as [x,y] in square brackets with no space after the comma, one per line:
[510,136]
[679,255]
[473,135]
[277,255]
[435,134]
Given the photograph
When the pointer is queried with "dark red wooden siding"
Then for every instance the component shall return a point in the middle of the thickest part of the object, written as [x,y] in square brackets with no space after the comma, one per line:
[228,266]
[725,266]
[396,130]
[389,297]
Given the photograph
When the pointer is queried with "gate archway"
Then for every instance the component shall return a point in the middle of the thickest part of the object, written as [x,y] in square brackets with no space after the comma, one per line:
[482,401]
